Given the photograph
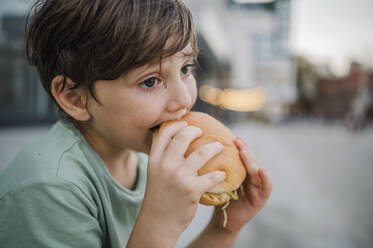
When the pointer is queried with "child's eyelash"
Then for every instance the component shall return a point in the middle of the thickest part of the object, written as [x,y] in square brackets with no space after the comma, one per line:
[190,67]
[192,64]
[155,80]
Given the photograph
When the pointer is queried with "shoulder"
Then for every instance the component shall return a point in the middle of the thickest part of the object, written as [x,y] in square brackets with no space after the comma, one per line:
[52,157]
[47,213]
[47,192]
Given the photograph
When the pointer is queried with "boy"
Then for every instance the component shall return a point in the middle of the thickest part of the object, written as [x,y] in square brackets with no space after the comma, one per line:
[116,69]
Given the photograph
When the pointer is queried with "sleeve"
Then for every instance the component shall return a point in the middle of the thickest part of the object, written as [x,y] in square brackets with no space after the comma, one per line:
[49,214]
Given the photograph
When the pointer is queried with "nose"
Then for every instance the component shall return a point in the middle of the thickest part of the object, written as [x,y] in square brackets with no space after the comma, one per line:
[180,97]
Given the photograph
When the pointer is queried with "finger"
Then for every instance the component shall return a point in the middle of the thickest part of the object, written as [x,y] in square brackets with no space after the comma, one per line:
[266,183]
[243,141]
[249,161]
[181,141]
[199,157]
[239,143]
[251,168]
[164,137]
[209,180]
[242,146]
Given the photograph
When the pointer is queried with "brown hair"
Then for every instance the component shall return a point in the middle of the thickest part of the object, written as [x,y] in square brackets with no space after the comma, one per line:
[90,40]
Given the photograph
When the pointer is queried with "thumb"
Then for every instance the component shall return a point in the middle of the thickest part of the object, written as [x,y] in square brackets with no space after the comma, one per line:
[209,180]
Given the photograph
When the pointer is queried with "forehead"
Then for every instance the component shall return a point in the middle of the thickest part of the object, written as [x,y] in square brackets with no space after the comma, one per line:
[187,51]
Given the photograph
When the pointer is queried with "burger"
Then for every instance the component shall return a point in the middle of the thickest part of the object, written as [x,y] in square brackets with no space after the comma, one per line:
[228,160]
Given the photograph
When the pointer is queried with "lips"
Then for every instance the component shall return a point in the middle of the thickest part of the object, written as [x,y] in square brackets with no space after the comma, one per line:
[178,117]
[155,128]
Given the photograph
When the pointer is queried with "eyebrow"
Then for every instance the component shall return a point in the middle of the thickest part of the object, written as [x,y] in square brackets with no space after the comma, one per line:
[192,53]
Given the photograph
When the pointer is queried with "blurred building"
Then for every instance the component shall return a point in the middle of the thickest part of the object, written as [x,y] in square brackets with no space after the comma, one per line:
[348,97]
[335,95]
[369,111]
[251,41]
[324,95]
[22,99]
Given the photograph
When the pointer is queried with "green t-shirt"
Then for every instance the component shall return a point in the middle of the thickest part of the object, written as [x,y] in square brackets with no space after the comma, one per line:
[58,192]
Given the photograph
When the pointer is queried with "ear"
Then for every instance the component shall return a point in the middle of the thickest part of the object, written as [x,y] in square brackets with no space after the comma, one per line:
[72,101]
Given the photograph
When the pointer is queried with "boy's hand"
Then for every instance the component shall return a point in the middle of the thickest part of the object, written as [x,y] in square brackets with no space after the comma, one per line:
[257,188]
[173,185]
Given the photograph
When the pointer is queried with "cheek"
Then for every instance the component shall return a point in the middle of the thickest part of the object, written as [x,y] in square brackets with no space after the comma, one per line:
[147,117]
[192,88]
[145,112]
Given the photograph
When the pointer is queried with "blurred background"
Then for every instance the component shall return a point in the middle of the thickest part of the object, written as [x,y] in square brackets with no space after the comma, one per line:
[294,78]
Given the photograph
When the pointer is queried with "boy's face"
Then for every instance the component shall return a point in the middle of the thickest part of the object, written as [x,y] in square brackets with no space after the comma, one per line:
[129,106]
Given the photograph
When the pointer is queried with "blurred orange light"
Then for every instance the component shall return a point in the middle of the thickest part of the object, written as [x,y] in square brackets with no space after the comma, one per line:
[209,94]
[233,99]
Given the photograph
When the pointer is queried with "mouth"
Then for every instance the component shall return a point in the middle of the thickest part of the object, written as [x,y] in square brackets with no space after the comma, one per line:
[181,114]
[155,128]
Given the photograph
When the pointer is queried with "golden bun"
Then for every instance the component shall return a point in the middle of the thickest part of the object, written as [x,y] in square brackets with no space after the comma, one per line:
[228,160]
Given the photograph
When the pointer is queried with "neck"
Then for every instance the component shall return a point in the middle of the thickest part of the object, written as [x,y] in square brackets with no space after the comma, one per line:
[121,163]
[110,153]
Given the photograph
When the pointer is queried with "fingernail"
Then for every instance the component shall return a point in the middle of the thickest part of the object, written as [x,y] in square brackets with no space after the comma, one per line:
[197,129]
[221,174]
[200,130]
[181,113]
[239,141]
[218,145]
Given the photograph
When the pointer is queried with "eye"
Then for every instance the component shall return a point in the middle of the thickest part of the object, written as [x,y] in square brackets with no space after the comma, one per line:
[187,69]
[150,83]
